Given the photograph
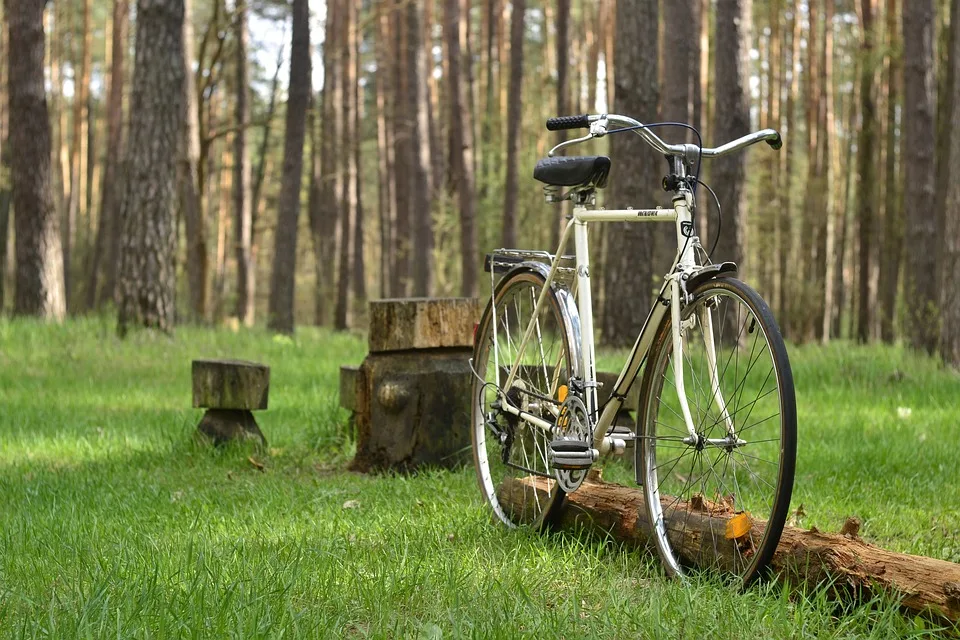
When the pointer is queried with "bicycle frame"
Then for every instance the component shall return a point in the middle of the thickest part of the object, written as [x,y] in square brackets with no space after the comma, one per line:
[684,264]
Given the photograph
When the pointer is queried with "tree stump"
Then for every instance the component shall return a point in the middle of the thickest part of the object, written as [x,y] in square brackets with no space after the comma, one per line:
[411,396]
[230,390]
[843,560]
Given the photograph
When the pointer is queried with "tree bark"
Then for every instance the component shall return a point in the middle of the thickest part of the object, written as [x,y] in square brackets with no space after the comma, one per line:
[893,208]
[950,252]
[866,170]
[148,246]
[732,120]
[628,268]
[285,253]
[461,147]
[358,273]
[190,183]
[918,155]
[386,100]
[421,184]
[246,272]
[106,250]
[852,566]
[39,256]
[786,250]
[511,186]
[348,207]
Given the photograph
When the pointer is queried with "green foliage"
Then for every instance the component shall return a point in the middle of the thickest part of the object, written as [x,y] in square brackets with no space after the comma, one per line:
[116,523]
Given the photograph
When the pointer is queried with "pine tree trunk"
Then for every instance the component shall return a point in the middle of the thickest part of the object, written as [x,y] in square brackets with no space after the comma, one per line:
[386,93]
[281,310]
[246,272]
[786,250]
[628,268]
[421,182]
[511,188]
[358,272]
[866,170]
[893,208]
[39,257]
[461,148]
[106,249]
[918,155]
[732,120]
[348,205]
[148,246]
[950,250]
[826,233]
[326,207]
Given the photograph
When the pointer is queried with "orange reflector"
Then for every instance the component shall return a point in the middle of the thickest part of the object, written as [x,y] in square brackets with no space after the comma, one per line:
[562,393]
[738,526]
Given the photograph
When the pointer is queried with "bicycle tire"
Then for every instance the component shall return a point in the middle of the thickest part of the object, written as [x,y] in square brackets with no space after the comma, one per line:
[681,509]
[516,293]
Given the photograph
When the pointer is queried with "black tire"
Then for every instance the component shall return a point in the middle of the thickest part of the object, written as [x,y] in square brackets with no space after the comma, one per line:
[514,296]
[749,464]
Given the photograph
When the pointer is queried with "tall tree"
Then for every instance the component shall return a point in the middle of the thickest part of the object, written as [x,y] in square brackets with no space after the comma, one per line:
[918,155]
[461,144]
[421,182]
[242,204]
[866,169]
[190,183]
[629,269]
[893,208]
[563,99]
[386,140]
[280,317]
[731,120]
[511,189]
[39,255]
[348,169]
[148,246]
[950,250]
[106,249]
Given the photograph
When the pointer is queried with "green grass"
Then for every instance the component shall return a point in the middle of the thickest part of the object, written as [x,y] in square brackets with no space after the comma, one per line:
[114,522]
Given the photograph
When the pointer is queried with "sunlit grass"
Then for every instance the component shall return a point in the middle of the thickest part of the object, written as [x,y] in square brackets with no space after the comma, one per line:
[113,521]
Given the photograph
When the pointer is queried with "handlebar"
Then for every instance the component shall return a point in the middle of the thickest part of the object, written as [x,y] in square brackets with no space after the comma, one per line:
[597,123]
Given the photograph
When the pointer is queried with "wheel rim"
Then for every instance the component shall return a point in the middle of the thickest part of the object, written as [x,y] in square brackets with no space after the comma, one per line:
[723,475]
[544,366]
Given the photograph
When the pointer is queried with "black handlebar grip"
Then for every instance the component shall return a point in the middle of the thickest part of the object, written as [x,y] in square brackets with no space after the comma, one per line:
[568,122]
[776,143]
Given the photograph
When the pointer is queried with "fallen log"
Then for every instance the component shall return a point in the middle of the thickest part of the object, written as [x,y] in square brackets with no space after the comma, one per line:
[808,557]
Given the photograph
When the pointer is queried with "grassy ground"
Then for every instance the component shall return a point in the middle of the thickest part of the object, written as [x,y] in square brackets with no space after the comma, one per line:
[113,522]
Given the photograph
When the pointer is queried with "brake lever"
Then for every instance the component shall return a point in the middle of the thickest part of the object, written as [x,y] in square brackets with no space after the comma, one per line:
[598,129]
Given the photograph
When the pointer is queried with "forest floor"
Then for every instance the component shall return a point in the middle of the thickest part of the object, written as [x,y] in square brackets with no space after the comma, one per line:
[114,521]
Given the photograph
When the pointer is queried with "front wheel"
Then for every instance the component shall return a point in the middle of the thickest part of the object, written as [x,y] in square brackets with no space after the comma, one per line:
[719,497]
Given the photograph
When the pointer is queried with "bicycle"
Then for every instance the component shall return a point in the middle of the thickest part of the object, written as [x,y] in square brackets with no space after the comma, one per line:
[708,447]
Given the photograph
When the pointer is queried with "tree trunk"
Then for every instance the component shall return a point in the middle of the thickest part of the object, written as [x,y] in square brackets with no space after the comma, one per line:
[280,317]
[826,233]
[866,170]
[358,272]
[813,558]
[950,252]
[511,188]
[148,247]
[732,120]
[812,203]
[246,272]
[461,148]
[400,284]
[386,99]
[628,268]
[348,207]
[106,250]
[421,184]
[786,250]
[918,155]
[39,256]
[893,209]
[190,184]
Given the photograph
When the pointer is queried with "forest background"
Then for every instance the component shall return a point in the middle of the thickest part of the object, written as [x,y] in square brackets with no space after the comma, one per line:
[211,161]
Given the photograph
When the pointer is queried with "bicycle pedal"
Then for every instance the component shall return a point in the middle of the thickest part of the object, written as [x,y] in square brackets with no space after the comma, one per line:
[572,454]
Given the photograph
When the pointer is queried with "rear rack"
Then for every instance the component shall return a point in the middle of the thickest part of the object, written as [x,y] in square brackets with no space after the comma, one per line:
[503,260]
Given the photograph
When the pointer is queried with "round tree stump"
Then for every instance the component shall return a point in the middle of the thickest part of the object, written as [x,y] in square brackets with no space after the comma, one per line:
[230,390]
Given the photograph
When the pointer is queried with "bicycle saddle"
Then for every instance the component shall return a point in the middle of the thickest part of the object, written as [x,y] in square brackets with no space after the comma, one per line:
[572,171]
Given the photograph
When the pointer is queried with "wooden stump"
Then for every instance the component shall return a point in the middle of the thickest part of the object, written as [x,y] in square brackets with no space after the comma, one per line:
[810,557]
[411,396]
[230,390]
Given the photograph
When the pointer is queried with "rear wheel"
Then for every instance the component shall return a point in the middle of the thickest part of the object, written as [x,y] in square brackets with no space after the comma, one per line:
[506,449]
[720,498]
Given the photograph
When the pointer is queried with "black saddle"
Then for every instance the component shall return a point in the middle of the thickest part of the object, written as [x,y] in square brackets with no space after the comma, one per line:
[573,171]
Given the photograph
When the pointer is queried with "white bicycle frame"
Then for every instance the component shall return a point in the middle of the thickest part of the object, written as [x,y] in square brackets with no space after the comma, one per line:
[685,265]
